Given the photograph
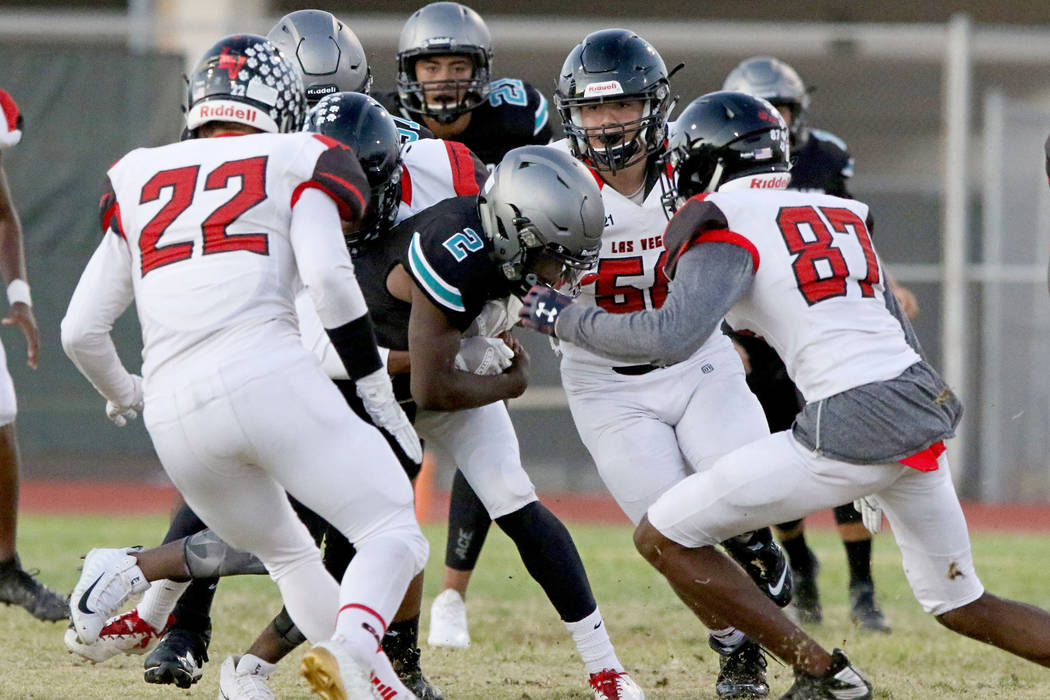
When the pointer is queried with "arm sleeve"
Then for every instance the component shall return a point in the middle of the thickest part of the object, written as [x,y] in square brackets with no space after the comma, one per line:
[102,295]
[326,270]
[710,278]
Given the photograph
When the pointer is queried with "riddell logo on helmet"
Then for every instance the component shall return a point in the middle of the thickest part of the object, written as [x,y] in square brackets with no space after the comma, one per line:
[772,183]
[609,87]
[230,111]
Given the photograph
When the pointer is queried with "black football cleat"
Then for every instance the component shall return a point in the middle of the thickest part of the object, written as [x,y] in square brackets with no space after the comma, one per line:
[742,671]
[179,658]
[840,682]
[19,587]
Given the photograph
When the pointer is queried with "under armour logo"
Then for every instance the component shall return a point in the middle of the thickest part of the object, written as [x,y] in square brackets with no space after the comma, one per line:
[544,312]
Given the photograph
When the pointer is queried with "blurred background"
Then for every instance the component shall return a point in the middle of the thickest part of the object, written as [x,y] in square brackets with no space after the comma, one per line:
[945,106]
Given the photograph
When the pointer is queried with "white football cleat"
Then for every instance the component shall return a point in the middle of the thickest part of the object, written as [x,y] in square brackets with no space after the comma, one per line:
[241,679]
[123,634]
[615,685]
[109,577]
[334,675]
[448,621]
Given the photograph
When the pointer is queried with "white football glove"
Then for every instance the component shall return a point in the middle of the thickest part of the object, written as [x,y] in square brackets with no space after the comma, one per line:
[377,394]
[870,513]
[495,317]
[120,415]
[484,356]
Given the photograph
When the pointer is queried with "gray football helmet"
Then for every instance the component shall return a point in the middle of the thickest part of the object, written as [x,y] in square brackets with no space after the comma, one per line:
[777,83]
[324,49]
[541,204]
[442,29]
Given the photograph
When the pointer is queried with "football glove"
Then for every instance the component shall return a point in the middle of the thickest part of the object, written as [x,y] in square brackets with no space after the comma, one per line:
[10,121]
[120,415]
[377,395]
[870,513]
[542,306]
[484,356]
[495,317]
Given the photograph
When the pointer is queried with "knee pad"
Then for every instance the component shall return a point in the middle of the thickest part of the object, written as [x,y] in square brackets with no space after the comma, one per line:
[288,634]
[207,556]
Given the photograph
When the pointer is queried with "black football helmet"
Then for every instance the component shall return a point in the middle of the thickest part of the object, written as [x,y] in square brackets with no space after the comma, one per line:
[614,65]
[327,52]
[720,137]
[441,29]
[361,123]
[245,79]
[777,83]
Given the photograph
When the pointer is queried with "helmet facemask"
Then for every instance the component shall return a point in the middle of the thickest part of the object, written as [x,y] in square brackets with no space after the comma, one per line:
[467,94]
[622,144]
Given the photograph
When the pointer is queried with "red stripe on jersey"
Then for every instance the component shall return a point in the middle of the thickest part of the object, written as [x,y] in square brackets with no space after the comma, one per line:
[370,611]
[597,177]
[406,185]
[697,197]
[925,461]
[722,235]
[10,110]
[330,142]
[463,181]
[345,212]
[726,236]
[117,226]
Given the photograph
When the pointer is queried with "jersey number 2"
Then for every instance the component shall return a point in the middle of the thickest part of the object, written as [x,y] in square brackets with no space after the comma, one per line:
[819,266]
[183,182]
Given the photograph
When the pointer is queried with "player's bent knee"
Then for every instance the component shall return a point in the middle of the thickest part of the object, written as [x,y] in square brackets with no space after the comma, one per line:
[648,541]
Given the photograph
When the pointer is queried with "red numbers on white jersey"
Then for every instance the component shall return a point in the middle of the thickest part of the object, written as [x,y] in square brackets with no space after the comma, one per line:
[814,281]
[183,182]
[611,294]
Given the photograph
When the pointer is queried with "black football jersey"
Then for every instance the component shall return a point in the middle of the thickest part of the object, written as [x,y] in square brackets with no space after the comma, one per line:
[515,114]
[451,260]
[822,164]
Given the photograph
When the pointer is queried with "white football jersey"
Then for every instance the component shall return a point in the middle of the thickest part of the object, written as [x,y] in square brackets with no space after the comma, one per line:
[817,296]
[629,274]
[434,170]
[206,223]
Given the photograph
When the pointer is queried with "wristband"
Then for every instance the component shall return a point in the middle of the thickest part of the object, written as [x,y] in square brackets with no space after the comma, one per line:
[18,291]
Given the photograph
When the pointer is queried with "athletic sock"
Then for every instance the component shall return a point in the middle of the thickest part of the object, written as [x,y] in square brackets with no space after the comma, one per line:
[593,643]
[799,554]
[858,555]
[729,638]
[159,602]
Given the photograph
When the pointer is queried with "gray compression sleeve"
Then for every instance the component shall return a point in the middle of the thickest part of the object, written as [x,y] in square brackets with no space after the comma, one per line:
[207,556]
[709,279]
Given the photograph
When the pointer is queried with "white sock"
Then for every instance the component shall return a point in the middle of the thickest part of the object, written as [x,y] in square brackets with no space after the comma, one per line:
[592,641]
[158,602]
[253,665]
[385,682]
[729,638]
[371,591]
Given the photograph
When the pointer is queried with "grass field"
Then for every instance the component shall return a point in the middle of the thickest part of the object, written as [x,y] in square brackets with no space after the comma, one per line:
[520,649]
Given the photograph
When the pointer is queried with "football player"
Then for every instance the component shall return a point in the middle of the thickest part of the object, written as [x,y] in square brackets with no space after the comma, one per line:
[444,81]
[820,162]
[648,427]
[17,586]
[211,236]
[538,219]
[444,62]
[799,269]
[330,58]
[431,170]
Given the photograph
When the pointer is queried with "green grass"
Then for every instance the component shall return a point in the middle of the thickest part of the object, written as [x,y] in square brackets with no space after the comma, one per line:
[521,650]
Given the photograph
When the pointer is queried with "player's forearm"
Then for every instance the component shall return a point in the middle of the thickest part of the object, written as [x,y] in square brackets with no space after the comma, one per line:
[12,253]
[701,293]
[103,293]
[453,390]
